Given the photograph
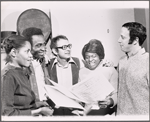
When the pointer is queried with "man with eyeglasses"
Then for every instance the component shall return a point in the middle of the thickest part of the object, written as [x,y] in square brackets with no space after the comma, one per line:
[63,69]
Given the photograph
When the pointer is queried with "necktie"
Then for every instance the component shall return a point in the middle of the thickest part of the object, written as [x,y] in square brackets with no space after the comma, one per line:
[46,75]
[34,83]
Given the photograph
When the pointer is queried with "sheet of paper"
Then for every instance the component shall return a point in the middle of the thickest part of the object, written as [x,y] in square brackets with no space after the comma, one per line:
[54,83]
[93,88]
[60,99]
[65,91]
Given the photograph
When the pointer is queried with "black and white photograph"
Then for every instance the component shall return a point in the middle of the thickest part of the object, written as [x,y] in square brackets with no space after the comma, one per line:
[74,60]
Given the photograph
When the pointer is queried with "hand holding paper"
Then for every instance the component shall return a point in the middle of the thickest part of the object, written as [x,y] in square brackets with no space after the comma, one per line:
[93,88]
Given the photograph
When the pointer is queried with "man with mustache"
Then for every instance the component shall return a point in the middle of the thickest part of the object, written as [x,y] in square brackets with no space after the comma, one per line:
[39,73]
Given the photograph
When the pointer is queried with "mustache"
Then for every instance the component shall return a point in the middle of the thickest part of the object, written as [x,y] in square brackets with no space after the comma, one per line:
[36,53]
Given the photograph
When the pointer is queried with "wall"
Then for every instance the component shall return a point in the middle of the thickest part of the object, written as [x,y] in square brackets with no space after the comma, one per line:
[79,21]
[147,26]
[142,16]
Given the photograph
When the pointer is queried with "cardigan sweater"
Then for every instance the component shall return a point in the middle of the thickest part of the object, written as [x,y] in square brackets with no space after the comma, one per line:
[75,67]
[52,70]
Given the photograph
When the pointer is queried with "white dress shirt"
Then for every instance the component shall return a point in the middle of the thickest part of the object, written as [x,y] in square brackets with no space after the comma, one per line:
[39,74]
[64,73]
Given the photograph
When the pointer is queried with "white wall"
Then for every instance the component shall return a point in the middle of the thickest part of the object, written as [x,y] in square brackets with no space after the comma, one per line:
[79,21]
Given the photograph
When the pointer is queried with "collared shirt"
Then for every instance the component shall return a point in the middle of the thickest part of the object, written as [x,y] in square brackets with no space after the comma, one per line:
[39,74]
[133,91]
[139,51]
[17,96]
[64,73]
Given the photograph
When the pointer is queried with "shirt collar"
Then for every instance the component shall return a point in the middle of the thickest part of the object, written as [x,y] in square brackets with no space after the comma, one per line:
[35,63]
[25,71]
[139,52]
[69,62]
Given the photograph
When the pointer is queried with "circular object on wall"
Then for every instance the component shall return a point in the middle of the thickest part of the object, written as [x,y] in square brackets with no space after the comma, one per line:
[35,18]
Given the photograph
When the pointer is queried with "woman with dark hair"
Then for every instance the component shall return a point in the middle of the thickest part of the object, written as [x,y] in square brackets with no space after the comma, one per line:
[17,96]
[93,54]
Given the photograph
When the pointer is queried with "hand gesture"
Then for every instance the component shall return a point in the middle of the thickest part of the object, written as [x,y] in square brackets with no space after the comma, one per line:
[78,112]
[108,63]
[105,103]
[46,111]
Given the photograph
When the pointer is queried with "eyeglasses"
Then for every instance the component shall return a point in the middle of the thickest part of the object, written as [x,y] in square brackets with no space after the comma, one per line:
[64,47]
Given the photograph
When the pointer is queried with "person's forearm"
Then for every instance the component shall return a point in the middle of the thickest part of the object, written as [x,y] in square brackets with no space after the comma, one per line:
[14,112]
